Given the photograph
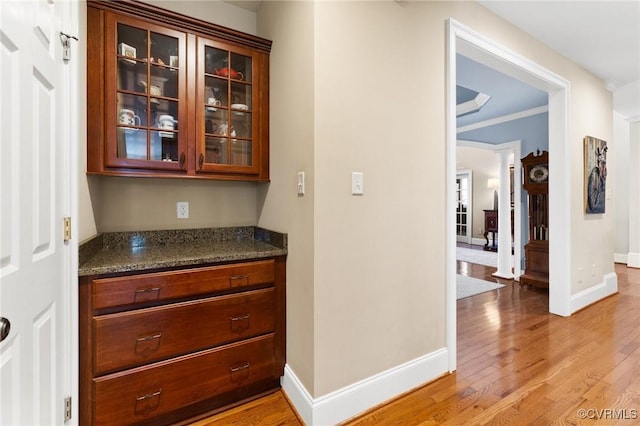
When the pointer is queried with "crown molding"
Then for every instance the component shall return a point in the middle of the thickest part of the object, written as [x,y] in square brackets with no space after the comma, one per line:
[503,119]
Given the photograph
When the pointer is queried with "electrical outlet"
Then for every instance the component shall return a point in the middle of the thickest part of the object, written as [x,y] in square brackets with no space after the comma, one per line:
[182,208]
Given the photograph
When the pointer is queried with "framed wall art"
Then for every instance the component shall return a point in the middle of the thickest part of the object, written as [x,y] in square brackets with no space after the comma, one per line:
[595,175]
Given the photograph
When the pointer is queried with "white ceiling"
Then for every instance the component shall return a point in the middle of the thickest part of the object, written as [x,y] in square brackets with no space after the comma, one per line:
[247,4]
[601,36]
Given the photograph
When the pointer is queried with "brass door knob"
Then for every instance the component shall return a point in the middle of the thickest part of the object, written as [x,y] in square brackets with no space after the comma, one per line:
[5,327]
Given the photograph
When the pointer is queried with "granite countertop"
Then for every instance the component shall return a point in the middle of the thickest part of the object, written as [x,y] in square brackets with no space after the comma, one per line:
[138,251]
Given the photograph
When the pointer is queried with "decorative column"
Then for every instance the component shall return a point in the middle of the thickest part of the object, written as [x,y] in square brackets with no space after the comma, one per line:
[633,257]
[504,217]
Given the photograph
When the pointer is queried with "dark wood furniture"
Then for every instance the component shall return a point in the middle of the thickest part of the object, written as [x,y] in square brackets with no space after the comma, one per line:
[173,96]
[176,345]
[536,183]
[490,225]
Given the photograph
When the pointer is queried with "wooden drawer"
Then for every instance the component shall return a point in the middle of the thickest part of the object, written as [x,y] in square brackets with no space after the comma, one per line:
[146,392]
[127,339]
[144,288]
[491,220]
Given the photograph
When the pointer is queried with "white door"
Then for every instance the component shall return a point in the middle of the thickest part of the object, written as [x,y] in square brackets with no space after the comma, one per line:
[34,189]
[464,206]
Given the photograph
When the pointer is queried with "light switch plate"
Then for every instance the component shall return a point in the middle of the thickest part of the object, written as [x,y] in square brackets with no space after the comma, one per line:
[357,183]
[300,183]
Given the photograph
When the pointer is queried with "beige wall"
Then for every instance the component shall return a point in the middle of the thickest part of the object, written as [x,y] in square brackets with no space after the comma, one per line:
[132,204]
[378,275]
[620,151]
[634,194]
[592,245]
[290,26]
[216,11]
[360,86]
[379,278]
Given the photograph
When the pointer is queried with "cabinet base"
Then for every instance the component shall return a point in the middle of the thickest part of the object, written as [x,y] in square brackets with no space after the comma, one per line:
[535,280]
[192,413]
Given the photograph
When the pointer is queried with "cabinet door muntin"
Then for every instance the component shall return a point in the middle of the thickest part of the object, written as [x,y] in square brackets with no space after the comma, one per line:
[226,120]
[146,97]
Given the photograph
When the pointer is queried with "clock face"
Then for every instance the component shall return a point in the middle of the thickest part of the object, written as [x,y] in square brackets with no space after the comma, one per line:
[539,173]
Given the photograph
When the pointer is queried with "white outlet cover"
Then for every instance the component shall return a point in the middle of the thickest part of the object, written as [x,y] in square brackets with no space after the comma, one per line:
[182,209]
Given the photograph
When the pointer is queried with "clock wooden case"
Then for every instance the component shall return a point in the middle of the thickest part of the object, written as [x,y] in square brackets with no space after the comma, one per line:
[536,183]
[173,96]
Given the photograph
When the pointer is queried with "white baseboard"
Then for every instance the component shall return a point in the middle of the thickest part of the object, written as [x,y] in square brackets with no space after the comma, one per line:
[361,396]
[591,295]
[620,258]
[633,260]
[478,241]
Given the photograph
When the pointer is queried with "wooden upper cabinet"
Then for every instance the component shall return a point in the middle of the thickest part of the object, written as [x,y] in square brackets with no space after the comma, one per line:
[173,96]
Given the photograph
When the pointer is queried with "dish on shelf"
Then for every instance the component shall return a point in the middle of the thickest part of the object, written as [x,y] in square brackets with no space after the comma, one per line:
[242,107]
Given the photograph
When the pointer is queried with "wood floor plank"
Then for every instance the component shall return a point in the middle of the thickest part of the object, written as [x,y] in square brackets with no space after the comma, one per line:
[517,364]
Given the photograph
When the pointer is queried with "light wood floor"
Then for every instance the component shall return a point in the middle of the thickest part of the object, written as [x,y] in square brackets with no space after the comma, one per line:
[517,365]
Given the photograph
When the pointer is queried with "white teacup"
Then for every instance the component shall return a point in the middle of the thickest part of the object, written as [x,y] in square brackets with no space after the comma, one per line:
[128,117]
[212,103]
[223,130]
[166,121]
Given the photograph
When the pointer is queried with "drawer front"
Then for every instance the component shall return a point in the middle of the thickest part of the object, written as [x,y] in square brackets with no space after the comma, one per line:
[491,222]
[133,338]
[147,392]
[132,289]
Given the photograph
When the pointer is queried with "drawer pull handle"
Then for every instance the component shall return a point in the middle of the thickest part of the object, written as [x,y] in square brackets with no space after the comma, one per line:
[147,290]
[146,294]
[145,404]
[240,368]
[241,317]
[234,280]
[149,395]
[239,277]
[150,337]
[240,373]
[239,323]
[146,345]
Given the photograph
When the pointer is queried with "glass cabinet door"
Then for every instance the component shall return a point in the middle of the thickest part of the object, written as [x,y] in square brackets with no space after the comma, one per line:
[225,109]
[145,96]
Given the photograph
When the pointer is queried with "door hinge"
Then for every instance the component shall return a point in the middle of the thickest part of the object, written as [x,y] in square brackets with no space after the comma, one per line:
[67,229]
[65,39]
[67,409]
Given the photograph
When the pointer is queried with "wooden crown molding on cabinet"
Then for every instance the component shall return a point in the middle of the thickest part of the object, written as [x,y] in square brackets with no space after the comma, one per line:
[187,23]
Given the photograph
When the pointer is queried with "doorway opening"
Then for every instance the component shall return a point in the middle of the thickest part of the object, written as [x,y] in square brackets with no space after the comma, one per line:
[461,39]
[497,160]
[464,201]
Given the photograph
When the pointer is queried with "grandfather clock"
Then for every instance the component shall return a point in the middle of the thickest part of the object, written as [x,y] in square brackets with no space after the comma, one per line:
[536,251]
